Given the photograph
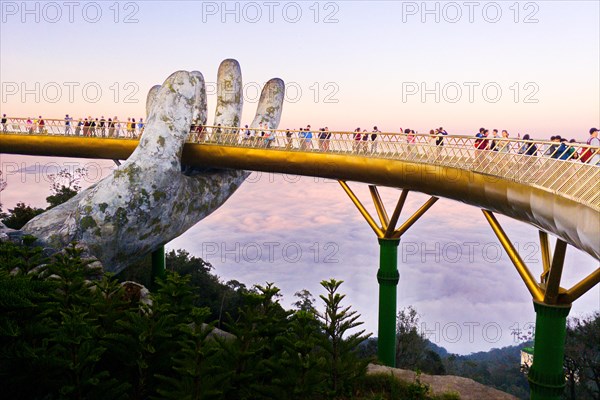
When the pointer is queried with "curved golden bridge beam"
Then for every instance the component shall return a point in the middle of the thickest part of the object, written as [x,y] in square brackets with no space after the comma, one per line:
[557,196]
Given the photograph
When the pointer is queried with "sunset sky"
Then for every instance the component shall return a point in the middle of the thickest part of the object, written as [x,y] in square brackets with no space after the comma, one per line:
[359,64]
[528,67]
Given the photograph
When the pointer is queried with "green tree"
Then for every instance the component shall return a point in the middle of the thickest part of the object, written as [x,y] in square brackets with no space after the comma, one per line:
[18,216]
[65,185]
[306,301]
[582,357]
[254,353]
[57,346]
[342,362]
[21,294]
[303,359]
[197,373]
[410,343]
[412,349]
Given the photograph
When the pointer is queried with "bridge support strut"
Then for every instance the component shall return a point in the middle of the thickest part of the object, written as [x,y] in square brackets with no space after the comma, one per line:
[158,264]
[388,278]
[546,375]
[387,275]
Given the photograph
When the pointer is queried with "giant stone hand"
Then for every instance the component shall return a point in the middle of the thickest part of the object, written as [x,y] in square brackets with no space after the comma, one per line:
[148,201]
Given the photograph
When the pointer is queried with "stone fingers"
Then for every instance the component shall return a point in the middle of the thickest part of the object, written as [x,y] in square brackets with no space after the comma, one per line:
[200,105]
[167,128]
[151,98]
[270,104]
[230,100]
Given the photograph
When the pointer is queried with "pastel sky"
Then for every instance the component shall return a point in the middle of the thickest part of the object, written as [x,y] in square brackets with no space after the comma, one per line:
[394,64]
[360,64]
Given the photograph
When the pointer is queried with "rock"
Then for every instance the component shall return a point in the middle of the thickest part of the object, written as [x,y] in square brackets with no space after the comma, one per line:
[467,388]
[136,293]
[5,232]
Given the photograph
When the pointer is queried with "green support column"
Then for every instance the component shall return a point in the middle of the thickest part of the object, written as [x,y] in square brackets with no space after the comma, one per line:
[546,376]
[158,263]
[388,277]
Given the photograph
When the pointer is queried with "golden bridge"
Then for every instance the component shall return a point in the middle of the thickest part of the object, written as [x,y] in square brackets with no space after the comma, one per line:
[536,182]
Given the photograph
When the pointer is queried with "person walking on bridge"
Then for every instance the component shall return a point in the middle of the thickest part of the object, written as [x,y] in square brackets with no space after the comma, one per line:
[441,132]
[78,127]
[551,151]
[493,142]
[321,138]
[411,140]
[93,125]
[594,141]
[308,137]
[129,134]
[141,126]
[4,123]
[374,139]
[133,128]
[289,138]
[357,139]
[481,144]
[111,128]
[86,127]
[117,126]
[503,145]
[68,121]
[529,149]
[246,134]
[102,126]
[301,139]
[41,125]
[327,139]
[364,145]
[269,136]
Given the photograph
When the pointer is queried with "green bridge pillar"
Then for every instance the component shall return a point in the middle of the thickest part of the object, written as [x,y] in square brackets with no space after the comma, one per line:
[546,376]
[388,278]
[158,263]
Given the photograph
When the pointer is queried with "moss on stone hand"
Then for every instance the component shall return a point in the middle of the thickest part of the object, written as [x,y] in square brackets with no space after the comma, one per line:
[131,171]
[88,222]
[158,194]
[121,217]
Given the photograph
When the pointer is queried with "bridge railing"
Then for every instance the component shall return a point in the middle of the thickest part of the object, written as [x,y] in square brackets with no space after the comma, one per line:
[81,127]
[548,165]
[539,163]
[357,142]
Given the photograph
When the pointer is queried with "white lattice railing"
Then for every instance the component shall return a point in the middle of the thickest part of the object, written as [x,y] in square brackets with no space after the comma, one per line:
[543,164]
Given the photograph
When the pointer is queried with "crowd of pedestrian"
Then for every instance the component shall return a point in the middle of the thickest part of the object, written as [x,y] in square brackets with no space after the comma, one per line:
[560,148]
[364,141]
[102,127]
[88,127]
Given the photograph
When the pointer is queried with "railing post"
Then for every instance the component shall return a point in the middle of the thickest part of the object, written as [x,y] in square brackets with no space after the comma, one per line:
[158,264]
[388,278]
[546,376]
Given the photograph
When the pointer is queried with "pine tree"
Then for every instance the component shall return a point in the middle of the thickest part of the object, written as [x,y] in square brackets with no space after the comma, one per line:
[341,346]
[197,371]
[252,356]
[303,359]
